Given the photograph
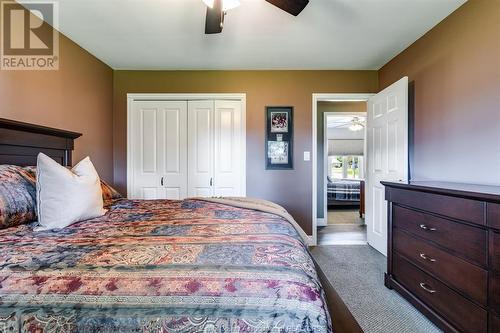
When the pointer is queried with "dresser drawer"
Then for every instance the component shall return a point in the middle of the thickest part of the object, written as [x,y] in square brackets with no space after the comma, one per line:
[460,312]
[494,324]
[466,241]
[495,250]
[495,291]
[453,271]
[493,215]
[459,208]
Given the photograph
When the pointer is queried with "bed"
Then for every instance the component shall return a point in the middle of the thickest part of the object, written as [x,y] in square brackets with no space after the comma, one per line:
[346,192]
[158,266]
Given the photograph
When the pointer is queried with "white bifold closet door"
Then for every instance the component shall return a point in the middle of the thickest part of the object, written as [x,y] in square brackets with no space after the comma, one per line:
[158,131]
[229,157]
[200,148]
[183,149]
[214,148]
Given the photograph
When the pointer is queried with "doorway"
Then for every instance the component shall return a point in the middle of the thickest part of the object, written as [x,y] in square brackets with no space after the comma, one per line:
[320,150]
[387,158]
[341,150]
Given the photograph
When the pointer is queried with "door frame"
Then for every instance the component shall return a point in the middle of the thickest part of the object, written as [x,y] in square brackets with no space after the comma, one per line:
[323,97]
[242,97]
[325,154]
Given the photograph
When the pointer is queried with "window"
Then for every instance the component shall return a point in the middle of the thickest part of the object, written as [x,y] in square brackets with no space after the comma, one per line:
[336,167]
[345,167]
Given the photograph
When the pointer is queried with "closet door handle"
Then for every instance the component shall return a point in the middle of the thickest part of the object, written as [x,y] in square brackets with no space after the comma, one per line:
[161,182]
[211,181]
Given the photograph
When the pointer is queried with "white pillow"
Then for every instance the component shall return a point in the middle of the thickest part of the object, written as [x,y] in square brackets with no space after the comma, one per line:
[66,196]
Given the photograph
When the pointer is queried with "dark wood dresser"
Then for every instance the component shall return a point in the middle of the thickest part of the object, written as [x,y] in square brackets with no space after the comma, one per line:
[444,252]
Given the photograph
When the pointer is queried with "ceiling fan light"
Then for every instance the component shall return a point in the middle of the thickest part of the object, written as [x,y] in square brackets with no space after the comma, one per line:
[226,4]
[355,127]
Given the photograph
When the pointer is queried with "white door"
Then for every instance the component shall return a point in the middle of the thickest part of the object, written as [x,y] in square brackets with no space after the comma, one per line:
[200,148]
[158,136]
[228,153]
[387,151]
[172,128]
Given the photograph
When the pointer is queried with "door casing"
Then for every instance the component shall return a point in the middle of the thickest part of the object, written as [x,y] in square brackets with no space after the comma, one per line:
[313,240]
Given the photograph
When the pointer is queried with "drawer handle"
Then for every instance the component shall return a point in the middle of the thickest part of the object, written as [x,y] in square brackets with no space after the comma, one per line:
[426,228]
[426,257]
[427,288]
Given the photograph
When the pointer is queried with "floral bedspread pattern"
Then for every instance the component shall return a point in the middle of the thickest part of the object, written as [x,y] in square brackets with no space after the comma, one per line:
[161,266]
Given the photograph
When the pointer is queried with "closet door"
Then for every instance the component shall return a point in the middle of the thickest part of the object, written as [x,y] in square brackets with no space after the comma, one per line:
[200,148]
[158,136]
[172,126]
[227,145]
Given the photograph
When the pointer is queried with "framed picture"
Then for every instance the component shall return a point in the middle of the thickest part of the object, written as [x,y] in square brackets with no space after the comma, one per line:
[277,152]
[279,137]
[279,122]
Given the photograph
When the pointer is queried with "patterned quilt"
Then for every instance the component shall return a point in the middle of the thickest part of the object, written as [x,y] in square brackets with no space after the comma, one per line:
[161,266]
[344,190]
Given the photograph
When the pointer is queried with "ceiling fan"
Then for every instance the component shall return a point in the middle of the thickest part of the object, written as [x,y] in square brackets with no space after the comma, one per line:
[217,9]
[354,125]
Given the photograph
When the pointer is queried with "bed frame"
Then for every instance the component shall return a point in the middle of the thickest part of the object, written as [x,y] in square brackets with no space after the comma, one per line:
[20,144]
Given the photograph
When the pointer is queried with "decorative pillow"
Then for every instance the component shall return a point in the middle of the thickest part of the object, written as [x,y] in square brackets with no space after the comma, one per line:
[108,192]
[17,196]
[67,196]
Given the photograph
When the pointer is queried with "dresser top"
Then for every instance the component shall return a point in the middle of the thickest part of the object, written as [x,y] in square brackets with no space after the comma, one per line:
[471,191]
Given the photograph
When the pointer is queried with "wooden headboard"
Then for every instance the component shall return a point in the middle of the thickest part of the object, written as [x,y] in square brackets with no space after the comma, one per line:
[20,143]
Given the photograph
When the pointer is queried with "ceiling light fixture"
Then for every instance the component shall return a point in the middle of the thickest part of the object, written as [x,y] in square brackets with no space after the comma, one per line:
[226,4]
[217,10]
[356,125]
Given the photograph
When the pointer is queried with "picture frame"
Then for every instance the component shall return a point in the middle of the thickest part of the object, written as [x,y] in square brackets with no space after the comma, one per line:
[279,138]
[279,121]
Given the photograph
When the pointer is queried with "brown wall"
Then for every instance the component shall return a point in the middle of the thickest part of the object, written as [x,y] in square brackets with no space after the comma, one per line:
[292,188]
[456,71]
[77,97]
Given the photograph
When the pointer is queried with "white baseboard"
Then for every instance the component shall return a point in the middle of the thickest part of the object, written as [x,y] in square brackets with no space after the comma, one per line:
[311,242]
[321,222]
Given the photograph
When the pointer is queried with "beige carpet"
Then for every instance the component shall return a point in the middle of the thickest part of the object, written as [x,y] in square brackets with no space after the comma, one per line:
[344,216]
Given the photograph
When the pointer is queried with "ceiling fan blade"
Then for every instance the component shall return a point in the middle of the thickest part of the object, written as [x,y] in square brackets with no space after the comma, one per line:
[293,7]
[215,18]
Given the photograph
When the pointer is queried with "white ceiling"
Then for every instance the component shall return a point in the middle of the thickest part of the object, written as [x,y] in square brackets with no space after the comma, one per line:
[328,34]
[342,121]
[338,128]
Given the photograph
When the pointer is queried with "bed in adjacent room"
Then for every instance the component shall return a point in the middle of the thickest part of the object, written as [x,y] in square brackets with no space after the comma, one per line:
[343,191]
[346,192]
[195,265]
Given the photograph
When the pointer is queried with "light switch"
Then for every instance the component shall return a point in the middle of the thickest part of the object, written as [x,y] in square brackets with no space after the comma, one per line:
[307,156]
